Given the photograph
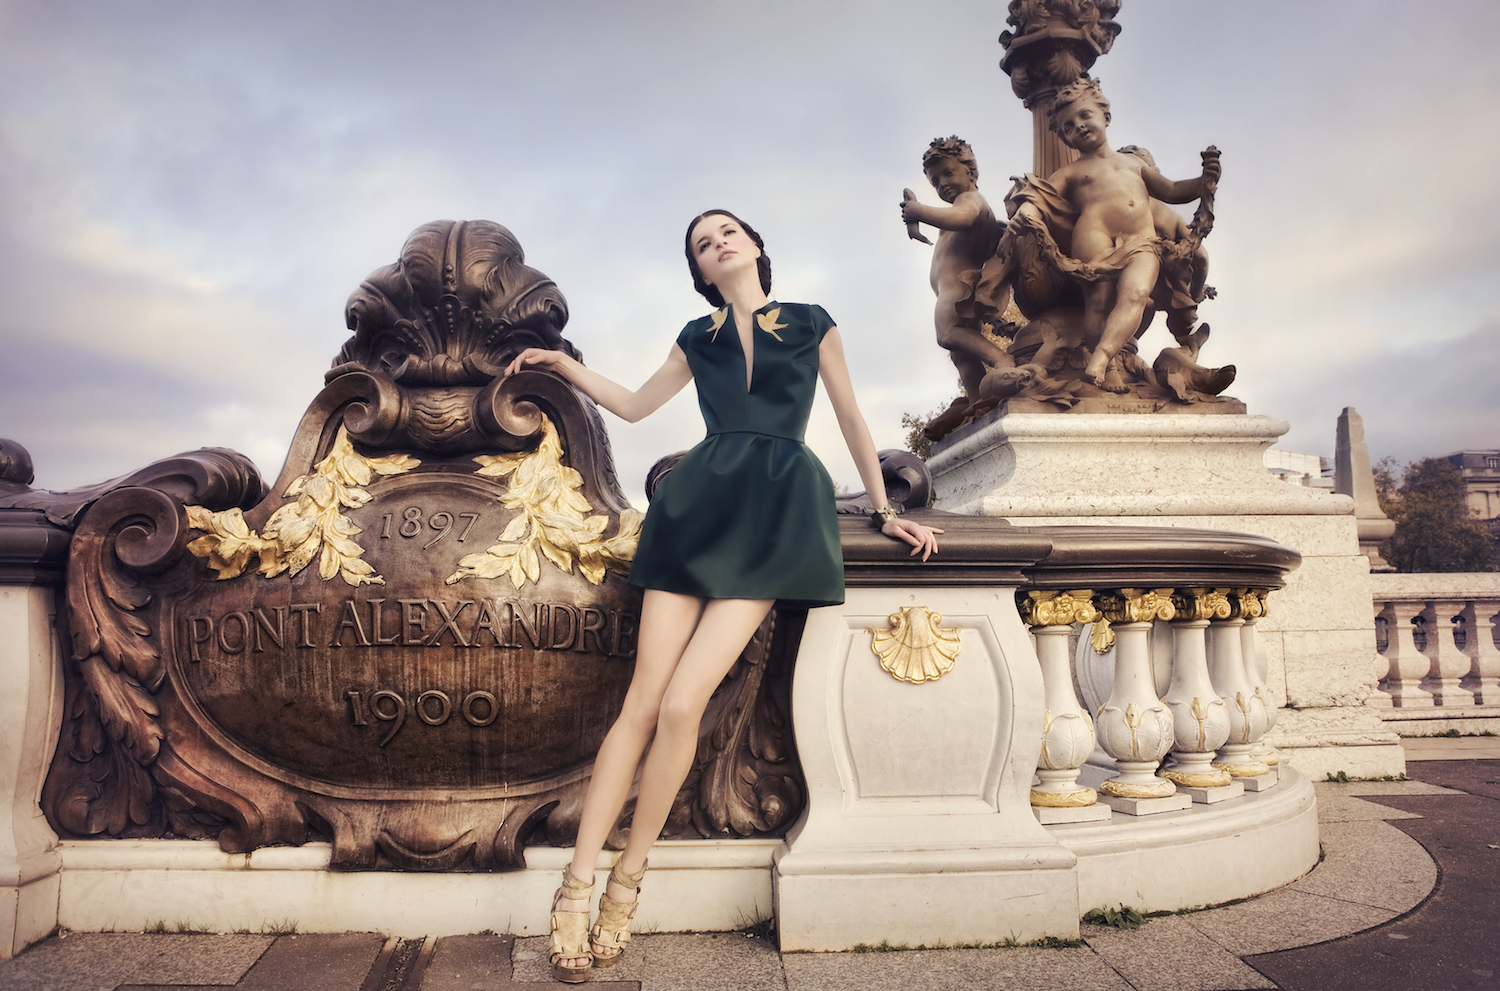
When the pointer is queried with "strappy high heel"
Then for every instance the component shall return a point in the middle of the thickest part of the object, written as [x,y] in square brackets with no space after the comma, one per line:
[570,932]
[612,930]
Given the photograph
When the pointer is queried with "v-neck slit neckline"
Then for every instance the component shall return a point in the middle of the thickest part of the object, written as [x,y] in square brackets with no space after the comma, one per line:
[747,358]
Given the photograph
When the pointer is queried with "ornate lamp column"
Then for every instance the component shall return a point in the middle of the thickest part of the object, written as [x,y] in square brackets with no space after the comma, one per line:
[1067,731]
[1053,43]
[1134,726]
[1198,714]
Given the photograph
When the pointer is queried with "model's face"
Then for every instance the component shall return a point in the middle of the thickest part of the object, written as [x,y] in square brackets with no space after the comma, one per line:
[1081,125]
[950,178]
[720,246]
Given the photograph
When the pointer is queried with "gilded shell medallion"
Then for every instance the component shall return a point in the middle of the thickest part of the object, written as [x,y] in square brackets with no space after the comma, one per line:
[916,648]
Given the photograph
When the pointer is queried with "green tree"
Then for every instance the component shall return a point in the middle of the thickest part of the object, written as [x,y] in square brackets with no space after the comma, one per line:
[1434,531]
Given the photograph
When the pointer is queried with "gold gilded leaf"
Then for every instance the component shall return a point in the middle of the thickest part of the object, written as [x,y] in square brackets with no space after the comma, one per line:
[351,469]
[557,555]
[555,519]
[301,555]
[393,464]
[320,490]
[498,465]
[516,528]
[293,532]
[328,562]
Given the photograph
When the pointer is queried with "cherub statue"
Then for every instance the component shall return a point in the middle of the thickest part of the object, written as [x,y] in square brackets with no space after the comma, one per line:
[1098,215]
[968,235]
[1184,277]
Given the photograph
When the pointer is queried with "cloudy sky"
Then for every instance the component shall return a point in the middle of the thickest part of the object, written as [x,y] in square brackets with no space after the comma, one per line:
[190,190]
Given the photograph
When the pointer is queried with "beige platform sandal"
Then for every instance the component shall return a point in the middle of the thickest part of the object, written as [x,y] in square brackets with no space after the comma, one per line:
[612,930]
[570,932]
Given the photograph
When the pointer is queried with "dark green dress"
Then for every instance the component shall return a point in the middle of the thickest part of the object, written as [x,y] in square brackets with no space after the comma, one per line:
[748,513]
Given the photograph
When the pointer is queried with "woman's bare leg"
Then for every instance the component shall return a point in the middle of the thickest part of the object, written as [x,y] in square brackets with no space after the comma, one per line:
[724,628]
[723,631]
[667,624]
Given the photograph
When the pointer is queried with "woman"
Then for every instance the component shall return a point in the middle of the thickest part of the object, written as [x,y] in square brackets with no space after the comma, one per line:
[744,520]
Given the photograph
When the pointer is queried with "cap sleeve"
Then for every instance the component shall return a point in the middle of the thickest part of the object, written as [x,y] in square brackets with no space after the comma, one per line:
[821,321]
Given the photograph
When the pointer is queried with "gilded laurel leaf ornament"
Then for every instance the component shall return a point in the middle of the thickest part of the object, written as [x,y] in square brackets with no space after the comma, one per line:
[1040,608]
[313,526]
[768,322]
[916,648]
[553,521]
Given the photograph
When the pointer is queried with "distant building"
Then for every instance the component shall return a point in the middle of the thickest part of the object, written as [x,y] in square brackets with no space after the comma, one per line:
[1481,472]
[1310,470]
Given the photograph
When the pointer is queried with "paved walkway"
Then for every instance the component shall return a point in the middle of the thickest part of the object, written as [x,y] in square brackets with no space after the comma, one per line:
[1404,900]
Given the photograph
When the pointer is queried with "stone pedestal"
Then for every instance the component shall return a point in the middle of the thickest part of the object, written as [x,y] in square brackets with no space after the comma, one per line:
[1203,471]
[31,553]
[918,827]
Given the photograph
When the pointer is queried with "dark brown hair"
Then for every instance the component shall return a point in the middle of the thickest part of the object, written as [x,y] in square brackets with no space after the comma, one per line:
[762,264]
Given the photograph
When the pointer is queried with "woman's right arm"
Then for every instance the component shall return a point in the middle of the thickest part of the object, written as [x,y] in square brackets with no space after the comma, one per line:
[629,406]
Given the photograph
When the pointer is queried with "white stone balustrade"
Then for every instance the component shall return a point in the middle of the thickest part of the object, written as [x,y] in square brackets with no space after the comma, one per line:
[1439,650]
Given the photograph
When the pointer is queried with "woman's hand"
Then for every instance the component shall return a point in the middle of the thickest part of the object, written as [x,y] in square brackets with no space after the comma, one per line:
[538,357]
[922,538]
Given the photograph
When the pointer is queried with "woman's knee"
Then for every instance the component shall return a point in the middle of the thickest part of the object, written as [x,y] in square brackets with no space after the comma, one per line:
[680,712]
[639,716]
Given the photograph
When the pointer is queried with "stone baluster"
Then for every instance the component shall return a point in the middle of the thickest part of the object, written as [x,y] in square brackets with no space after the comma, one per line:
[1200,720]
[1067,730]
[1247,711]
[1448,665]
[1258,671]
[1133,725]
[1407,665]
[1479,644]
[1379,698]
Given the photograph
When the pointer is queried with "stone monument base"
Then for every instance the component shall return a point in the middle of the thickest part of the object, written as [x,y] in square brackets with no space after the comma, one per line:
[1204,472]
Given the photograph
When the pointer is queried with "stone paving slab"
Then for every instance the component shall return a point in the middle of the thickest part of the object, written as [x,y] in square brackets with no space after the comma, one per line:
[1168,954]
[529,964]
[105,961]
[470,963]
[1285,919]
[1014,969]
[1347,808]
[1450,748]
[1371,863]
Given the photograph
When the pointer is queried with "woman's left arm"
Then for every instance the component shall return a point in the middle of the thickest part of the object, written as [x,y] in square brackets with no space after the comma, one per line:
[834,371]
